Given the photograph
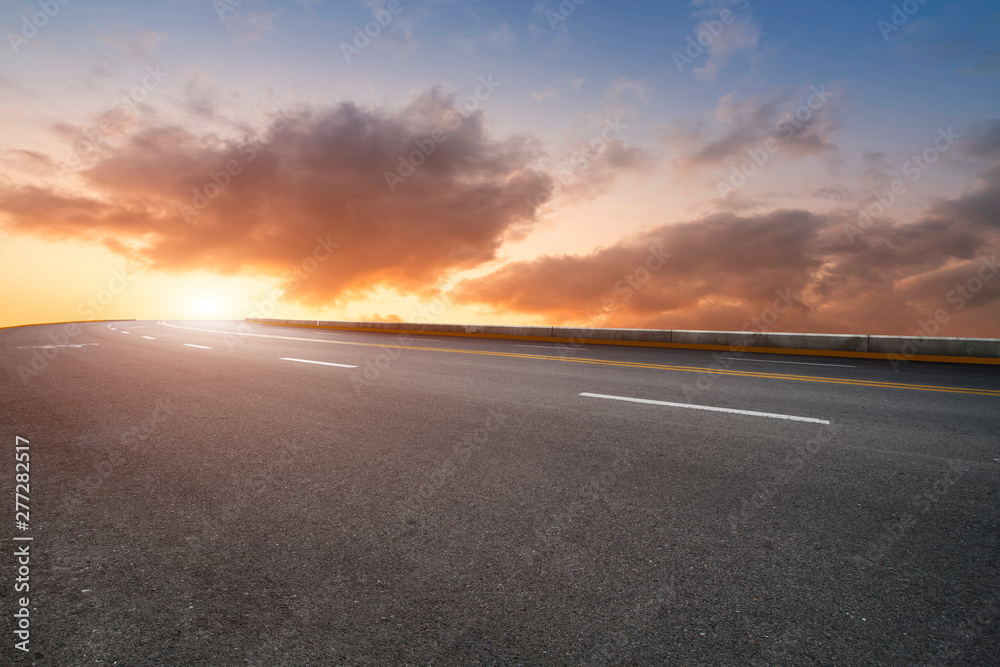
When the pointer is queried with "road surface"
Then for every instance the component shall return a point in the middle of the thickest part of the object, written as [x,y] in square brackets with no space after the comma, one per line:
[291,496]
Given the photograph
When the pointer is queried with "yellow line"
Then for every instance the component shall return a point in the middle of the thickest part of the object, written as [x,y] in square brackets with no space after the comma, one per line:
[627,364]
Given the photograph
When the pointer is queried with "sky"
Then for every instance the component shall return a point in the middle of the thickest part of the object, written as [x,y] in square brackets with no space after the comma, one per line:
[670,165]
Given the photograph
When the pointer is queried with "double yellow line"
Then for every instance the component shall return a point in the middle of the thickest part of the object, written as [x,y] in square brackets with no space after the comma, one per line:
[802,378]
[626,364]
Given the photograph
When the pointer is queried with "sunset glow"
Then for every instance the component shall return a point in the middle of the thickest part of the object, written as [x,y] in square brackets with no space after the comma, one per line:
[479,332]
[515,164]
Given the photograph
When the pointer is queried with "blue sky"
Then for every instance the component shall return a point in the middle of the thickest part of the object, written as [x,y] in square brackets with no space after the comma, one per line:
[898,74]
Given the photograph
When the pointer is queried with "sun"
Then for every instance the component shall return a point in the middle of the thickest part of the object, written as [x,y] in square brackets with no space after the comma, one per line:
[207,306]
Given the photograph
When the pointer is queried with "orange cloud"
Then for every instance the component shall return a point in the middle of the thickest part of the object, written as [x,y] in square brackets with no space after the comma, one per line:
[725,269]
[182,201]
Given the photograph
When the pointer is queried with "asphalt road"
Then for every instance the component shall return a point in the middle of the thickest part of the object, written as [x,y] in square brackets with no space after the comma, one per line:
[203,498]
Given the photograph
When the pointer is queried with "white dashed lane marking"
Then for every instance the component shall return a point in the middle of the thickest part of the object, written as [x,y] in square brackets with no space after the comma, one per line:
[752,413]
[321,363]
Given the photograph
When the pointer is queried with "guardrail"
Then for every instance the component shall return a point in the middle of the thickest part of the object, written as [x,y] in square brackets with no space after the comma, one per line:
[896,348]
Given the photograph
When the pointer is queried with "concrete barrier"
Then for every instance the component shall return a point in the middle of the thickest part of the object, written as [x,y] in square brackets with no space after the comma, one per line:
[896,348]
[42,324]
[982,347]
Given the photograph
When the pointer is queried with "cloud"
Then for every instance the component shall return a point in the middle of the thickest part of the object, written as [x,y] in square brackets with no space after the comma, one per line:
[724,39]
[624,85]
[399,33]
[313,173]
[248,26]
[801,121]
[30,161]
[136,44]
[500,37]
[726,268]
[952,40]
[837,194]
[984,63]
[719,255]
[983,142]
[106,68]
[9,88]
[203,97]
[876,165]
[598,166]
[741,36]
[546,93]
[566,81]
